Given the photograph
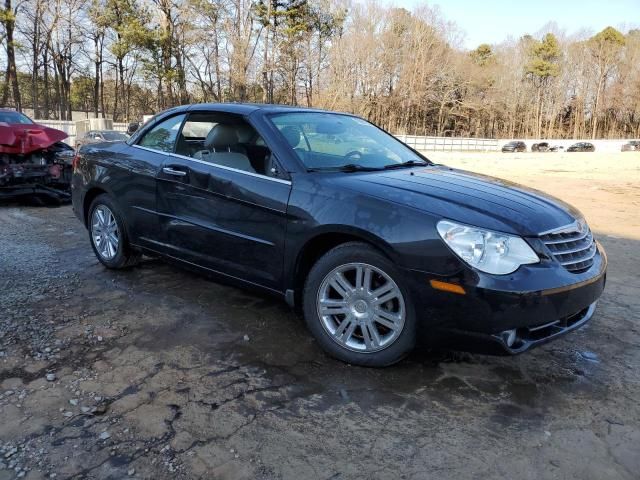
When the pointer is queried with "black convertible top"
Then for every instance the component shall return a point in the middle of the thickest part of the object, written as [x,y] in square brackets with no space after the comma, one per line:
[248,108]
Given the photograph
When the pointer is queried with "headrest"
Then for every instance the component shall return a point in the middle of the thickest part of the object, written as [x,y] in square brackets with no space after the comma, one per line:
[221,136]
[245,133]
[292,134]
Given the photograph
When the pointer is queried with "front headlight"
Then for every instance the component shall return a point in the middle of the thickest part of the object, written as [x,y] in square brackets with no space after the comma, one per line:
[490,252]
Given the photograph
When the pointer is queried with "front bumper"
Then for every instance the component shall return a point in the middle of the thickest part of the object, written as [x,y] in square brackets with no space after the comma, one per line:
[50,181]
[537,304]
[525,338]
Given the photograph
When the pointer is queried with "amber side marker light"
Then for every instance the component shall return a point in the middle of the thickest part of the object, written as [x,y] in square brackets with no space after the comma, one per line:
[447,287]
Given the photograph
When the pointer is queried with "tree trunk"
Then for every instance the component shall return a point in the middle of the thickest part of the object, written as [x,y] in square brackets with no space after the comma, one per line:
[11,78]
[96,83]
[116,94]
[56,84]
[122,94]
[102,106]
[265,60]
[45,83]
[34,70]
[216,49]
[596,107]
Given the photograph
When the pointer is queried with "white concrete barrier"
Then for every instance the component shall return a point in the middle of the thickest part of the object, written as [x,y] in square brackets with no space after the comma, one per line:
[450,144]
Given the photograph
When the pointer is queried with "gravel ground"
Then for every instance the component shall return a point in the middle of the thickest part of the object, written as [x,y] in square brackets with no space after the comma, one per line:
[158,373]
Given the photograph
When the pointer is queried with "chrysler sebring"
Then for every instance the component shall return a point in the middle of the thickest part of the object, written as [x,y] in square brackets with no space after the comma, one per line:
[373,243]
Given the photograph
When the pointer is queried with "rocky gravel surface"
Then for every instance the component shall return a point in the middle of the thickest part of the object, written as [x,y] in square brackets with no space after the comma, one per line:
[158,373]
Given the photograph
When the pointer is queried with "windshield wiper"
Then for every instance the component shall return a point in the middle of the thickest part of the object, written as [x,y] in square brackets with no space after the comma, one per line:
[348,168]
[408,163]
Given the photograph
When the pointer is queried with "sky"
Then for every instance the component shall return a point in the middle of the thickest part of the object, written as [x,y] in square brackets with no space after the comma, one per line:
[493,21]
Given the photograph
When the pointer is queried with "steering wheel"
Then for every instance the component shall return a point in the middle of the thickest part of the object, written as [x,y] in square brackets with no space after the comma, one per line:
[354,154]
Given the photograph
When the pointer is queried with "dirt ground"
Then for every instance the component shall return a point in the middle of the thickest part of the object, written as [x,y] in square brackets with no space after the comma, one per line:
[158,373]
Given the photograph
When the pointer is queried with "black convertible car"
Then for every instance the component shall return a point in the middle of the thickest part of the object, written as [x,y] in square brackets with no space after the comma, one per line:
[375,244]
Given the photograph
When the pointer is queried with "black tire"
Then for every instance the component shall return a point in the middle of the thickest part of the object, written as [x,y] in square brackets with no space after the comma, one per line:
[124,256]
[356,252]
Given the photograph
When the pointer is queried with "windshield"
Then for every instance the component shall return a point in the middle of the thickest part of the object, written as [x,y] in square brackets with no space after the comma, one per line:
[114,136]
[331,141]
[14,117]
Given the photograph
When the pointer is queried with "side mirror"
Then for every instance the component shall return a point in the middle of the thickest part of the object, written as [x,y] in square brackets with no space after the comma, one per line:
[132,128]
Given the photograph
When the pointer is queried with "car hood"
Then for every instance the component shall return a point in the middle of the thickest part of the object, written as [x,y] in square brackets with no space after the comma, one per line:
[25,138]
[468,198]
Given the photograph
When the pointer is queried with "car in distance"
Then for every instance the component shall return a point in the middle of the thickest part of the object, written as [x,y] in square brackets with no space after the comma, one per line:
[582,147]
[631,146]
[98,136]
[546,147]
[371,241]
[540,147]
[515,146]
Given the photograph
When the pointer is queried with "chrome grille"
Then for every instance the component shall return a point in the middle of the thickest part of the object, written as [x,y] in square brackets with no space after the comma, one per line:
[573,246]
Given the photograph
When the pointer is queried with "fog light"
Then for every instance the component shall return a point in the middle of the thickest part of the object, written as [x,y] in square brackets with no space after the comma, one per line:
[509,337]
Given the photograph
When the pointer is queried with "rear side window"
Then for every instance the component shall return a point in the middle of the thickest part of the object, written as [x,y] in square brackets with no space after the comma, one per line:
[163,136]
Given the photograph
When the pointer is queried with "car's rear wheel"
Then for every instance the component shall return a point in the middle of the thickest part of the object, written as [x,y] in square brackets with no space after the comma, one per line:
[358,308]
[108,235]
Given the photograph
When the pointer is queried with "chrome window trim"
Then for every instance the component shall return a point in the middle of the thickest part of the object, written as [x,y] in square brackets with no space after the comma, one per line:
[222,167]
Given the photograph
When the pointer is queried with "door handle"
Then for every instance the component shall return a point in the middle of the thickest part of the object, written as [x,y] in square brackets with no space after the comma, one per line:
[174,172]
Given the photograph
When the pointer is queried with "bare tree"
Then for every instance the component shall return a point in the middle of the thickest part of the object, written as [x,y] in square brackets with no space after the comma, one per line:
[403,69]
[605,49]
[11,76]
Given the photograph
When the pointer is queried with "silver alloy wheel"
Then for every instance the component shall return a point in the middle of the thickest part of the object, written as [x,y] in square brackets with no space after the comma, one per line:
[361,307]
[104,232]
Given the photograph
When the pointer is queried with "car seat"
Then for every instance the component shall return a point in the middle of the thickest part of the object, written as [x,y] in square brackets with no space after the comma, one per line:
[221,148]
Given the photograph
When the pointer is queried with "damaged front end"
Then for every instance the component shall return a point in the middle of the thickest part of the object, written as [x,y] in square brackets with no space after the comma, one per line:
[34,163]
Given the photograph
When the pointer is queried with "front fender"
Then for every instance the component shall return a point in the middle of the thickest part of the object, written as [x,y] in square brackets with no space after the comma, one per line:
[406,235]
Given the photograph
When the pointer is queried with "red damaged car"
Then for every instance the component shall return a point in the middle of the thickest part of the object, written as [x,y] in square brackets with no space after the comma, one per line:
[34,161]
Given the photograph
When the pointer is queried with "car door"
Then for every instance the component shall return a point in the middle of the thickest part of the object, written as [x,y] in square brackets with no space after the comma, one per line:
[222,200]
[142,162]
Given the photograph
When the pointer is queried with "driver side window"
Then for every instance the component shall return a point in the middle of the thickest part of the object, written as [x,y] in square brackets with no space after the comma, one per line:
[225,140]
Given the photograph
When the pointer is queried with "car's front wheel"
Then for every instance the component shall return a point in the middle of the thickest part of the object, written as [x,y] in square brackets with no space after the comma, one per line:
[108,235]
[358,308]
